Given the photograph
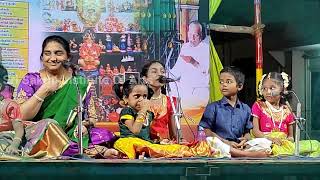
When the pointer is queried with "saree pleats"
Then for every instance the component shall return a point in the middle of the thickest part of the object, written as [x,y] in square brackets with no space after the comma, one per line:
[53,142]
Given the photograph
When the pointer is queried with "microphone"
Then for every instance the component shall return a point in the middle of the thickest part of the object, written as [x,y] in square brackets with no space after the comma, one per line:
[174,42]
[277,93]
[68,64]
[163,79]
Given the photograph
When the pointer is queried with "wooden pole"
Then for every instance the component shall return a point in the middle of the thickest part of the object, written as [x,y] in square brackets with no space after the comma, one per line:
[258,36]
[256,30]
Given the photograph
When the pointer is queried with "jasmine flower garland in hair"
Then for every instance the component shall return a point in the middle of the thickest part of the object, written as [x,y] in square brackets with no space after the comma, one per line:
[285,78]
[260,84]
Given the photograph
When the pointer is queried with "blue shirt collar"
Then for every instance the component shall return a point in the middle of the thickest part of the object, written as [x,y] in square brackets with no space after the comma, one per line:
[225,102]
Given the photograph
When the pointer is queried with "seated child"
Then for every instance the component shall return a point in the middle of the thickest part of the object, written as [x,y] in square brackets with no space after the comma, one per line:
[11,127]
[271,114]
[228,119]
[273,119]
[9,118]
[134,123]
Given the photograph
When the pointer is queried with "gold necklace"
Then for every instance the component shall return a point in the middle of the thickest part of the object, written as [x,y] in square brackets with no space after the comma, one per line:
[157,108]
[61,81]
[156,98]
[272,110]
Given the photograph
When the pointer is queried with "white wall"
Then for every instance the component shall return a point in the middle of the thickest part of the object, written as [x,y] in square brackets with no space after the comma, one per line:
[35,39]
[299,77]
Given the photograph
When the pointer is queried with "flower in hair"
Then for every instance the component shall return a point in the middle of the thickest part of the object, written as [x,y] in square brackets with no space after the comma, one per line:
[260,84]
[285,78]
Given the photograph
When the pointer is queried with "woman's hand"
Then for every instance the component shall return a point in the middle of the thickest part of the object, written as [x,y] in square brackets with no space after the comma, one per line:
[84,131]
[89,123]
[50,85]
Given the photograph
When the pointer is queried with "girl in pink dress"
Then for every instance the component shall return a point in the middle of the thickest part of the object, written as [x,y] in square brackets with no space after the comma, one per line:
[273,119]
[270,114]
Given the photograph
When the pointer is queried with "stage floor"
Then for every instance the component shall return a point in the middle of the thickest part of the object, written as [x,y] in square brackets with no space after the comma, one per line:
[164,169]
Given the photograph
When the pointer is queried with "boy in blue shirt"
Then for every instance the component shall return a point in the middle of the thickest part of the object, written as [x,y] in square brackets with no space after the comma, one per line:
[229,119]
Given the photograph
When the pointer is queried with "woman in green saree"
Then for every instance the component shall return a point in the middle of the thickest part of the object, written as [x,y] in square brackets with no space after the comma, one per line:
[51,94]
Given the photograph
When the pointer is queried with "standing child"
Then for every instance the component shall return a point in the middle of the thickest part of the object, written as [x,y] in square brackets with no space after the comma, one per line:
[134,123]
[228,120]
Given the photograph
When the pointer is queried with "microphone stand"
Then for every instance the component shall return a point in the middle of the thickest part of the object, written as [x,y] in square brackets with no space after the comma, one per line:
[298,126]
[299,121]
[176,108]
[79,111]
[176,113]
[168,64]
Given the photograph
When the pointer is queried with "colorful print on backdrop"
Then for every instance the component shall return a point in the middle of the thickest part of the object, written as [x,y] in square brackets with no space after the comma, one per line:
[108,39]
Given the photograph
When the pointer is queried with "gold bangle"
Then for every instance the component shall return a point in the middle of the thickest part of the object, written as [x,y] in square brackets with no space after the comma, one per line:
[140,120]
[142,114]
[141,117]
[38,98]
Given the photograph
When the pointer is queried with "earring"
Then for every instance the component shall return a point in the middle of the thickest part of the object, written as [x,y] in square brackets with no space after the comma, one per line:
[145,82]
[123,103]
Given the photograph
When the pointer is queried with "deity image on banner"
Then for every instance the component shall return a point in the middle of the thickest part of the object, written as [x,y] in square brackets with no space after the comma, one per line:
[89,52]
[89,12]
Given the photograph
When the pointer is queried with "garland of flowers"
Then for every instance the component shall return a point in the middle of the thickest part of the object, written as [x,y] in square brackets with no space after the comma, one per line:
[260,84]
[285,78]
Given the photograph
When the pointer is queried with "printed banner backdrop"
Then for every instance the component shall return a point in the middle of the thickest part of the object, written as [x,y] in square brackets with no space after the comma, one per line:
[14,38]
[111,40]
